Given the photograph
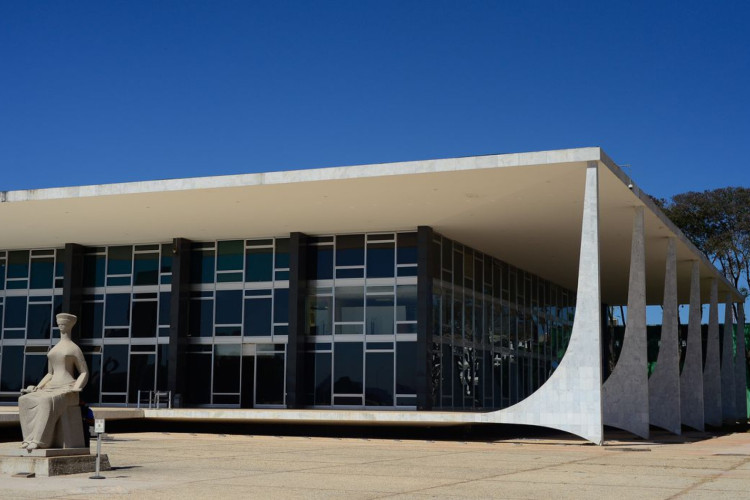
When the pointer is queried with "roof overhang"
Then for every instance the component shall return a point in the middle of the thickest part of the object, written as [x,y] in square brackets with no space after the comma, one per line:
[524,208]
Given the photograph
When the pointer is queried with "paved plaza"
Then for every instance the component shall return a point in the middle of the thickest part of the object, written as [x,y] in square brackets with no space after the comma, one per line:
[191,465]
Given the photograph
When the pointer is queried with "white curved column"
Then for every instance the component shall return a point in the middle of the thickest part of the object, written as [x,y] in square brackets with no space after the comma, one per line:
[664,383]
[570,400]
[728,410]
[711,369]
[625,393]
[691,377]
[740,365]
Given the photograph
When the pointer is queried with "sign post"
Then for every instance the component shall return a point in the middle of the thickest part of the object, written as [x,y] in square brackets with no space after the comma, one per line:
[99,430]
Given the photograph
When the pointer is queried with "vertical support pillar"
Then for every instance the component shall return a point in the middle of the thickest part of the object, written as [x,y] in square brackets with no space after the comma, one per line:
[691,378]
[295,347]
[740,365]
[72,299]
[571,399]
[711,369]
[664,383]
[625,400]
[424,317]
[178,318]
[728,410]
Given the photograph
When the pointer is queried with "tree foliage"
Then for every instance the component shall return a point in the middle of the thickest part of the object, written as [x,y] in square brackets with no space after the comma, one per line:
[718,223]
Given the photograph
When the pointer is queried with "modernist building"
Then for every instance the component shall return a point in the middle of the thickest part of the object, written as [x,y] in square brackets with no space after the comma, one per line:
[476,284]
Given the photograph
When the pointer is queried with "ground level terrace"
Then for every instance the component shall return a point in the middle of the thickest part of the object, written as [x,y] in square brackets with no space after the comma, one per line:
[476,284]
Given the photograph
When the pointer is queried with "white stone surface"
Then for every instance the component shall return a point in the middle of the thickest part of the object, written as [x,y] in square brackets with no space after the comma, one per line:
[740,365]
[664,383]
[712,368]
[691,377]
[728,409]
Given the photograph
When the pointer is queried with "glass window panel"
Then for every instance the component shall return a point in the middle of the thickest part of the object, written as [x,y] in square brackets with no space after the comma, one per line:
[407,271]
[350,250]
[11,374]
[18,264]
[270,376]
[202,266]
[165,308]
[162,367]
[198,388]
[90,393]
[228,331]
[230,255]
[380,260]
[167,252]
[347,369]
[406,298]
[142,376]
[39,321]
[201,318]
[15,312]
[379,379]
[91,322]
[93,270]
[380,315]
[117,310]
[349,304]
[35,369]
[322,390]
[42,273]
[119,260]
[229,307]
[227,368]
[281,305]
[144,319]
[407,248]
[115,368]
[146,269]
[257,317]
[319,314]
[2,274]
[357,272]
[406,367]
[231,277]
[320,262]
[259,264]
[282,253]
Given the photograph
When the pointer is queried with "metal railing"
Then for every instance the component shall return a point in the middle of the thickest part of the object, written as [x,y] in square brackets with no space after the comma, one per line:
[156,399]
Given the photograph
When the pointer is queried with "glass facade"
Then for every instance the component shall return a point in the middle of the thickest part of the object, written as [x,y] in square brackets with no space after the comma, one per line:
[30,295]
[497,332]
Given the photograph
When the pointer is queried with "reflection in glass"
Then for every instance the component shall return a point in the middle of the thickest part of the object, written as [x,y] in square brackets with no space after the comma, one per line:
[115,368]
[379,377]
[379,314]
[144,319]
[270,377]
[227,368]
[259,264]
[146,269]
[229,307]
[257,317]
[142,369]
[39,322]
[349,304]
[347,368]
[11,370]
[42,272]
[117,309]
[380,260]
[350,250]
[119,260]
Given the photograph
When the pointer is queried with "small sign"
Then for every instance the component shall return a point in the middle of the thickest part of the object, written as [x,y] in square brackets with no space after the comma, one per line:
[99,426]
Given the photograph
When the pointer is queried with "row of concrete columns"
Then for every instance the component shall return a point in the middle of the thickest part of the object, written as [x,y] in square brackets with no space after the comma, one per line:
[702,394]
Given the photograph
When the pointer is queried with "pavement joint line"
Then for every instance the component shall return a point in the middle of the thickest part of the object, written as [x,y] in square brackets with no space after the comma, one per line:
[484,478]
[708,479]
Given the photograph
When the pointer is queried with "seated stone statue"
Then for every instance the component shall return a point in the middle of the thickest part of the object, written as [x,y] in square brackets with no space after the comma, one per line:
[49,411]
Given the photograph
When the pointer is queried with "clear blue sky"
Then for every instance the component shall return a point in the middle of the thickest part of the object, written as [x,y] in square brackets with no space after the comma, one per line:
[95,92]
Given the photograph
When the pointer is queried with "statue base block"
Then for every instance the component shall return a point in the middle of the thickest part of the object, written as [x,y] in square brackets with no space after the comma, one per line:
[51,461]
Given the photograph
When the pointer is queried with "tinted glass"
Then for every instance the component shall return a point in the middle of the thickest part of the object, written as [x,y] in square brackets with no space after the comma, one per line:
[257,317]
[11,371]
[18,264]
[93,270]
[119,260]
[201,318]
[165,307]
[36,368]
[91,321]
[146,269]
[380,260]
[406,367]
[406,299]
[322,389]
[142,369]
[15,312]
[166,259]
[281,305]
[379,379]
[202,266]
[380,315]
[407,248]
[226,368]
[319,314]
[229,307]
[42,272]
[270,375]
[117,309]
[39,321]
[230,255]
[144,319]
[320,262]
[115,368]
[349,303]
[282,253]
[198,388]
[347,369]
[162,367]
[259,264]
[90,392]
[350,250]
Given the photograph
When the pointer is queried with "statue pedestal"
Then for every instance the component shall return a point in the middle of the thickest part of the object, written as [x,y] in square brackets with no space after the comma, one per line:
[50,461]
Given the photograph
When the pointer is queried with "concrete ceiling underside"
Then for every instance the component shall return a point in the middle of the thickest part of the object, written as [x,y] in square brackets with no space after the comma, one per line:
[525,209]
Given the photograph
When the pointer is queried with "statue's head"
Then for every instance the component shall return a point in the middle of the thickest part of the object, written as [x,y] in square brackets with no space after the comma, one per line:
[66,322]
